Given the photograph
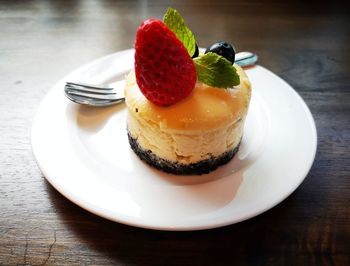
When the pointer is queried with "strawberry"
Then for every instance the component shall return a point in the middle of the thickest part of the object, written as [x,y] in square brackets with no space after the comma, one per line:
[165,72]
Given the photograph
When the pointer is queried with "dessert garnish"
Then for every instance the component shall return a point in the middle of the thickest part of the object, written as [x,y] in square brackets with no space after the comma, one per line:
[224,49]
[176,24]
[168,62]
[216,71]
[164,70]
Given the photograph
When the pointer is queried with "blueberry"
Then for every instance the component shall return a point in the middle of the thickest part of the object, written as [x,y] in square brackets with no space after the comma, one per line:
[196,52]
[224,49]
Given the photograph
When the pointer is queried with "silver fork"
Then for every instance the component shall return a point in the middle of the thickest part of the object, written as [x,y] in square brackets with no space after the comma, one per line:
[96,95]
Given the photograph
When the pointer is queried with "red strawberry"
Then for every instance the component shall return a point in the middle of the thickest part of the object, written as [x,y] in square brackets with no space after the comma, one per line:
[165,72]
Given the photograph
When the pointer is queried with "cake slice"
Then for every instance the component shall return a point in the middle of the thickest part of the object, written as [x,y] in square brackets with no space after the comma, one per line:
[179,120]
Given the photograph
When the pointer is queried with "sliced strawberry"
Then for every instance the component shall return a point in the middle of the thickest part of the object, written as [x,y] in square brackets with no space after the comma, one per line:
[165,72]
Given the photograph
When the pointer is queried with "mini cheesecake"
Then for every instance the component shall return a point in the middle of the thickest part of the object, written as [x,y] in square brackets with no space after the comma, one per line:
[193,136]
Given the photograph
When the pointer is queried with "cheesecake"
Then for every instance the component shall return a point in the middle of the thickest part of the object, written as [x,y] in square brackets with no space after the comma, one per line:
[185,109]
[193,136]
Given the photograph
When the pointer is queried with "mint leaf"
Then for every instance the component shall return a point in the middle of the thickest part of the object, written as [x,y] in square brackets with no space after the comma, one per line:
[176,23]
[215,70]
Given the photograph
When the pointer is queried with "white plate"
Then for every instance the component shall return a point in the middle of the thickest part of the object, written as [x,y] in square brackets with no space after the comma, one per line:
[84,153]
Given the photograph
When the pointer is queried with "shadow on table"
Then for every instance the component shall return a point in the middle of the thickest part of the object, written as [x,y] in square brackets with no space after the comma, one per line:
[125,244]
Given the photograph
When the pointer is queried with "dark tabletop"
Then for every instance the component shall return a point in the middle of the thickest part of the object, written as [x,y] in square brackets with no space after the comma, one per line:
[307,43]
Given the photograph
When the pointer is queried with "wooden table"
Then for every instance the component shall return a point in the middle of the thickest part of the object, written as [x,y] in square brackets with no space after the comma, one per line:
[306,43]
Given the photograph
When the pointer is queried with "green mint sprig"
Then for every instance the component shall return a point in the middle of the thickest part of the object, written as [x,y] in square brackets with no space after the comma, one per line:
[212,69]
[215,70]
[176,23]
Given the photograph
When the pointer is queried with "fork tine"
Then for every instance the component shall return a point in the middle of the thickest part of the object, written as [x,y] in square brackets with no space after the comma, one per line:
[71,87]
[87,101]
[88,85]
[94,96]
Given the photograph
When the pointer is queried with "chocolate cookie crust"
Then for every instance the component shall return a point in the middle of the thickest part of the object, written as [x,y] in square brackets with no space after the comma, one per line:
[201,167]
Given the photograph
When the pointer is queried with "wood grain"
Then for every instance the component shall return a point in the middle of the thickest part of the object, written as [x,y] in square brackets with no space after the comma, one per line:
[305,42]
